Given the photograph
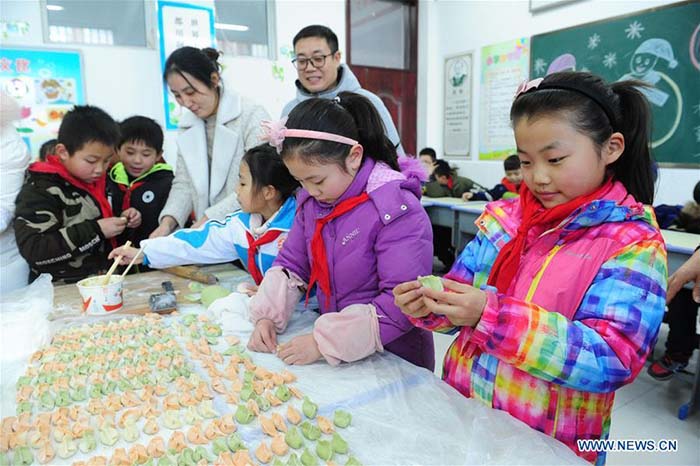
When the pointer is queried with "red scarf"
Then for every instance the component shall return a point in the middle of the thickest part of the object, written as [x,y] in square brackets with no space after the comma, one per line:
[533,213]
[319,262]
[510,186]
[128,190]
[450,182]
[253,247]
[97,189]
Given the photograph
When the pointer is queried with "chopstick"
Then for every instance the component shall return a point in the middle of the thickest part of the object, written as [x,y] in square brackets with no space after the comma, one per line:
[132,262]
[117,260]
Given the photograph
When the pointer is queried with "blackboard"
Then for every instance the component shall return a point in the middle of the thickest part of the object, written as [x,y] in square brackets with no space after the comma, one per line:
[660,46]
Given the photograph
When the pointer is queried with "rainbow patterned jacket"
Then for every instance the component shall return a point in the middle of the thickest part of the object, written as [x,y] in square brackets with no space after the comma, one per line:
[577,323]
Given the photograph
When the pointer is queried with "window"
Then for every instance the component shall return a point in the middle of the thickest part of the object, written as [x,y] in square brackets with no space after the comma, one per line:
[115,22]
[245,27]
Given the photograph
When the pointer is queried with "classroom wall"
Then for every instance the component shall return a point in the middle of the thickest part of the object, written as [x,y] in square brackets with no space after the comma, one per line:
[127,80]
[450,27]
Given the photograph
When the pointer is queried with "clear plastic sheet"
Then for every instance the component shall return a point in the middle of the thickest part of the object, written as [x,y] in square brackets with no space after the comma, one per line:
[24,328]
[401,414]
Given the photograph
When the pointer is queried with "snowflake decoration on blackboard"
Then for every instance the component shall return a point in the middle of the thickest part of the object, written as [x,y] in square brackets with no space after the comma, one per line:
[634,30]
[593,41]
[610,60]
[697,133]
[696,109]
[540,66]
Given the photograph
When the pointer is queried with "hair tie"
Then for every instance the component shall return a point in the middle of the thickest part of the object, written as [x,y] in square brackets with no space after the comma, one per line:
[274,132]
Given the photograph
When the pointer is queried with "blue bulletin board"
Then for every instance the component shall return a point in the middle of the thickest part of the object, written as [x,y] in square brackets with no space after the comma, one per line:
[46,83]
[181,24]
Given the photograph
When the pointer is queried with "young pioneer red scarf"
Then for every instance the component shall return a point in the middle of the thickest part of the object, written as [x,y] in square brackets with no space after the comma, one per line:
[128,190]
[97,189]
[510,186]
[319,262]
[254,246]
[533,213]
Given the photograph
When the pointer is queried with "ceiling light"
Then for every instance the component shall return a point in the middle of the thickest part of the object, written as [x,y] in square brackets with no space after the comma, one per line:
[231,27]
[54,7]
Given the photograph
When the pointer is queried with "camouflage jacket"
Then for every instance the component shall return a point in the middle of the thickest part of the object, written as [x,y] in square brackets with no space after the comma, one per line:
[56,229]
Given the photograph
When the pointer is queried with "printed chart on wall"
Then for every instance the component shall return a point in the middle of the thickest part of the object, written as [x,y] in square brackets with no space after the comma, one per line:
[660,47]
[503,67]
[458,104]
[179,25]
[46,83]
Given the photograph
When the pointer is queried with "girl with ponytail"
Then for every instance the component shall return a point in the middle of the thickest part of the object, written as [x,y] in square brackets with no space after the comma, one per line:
[559,298]
[359,231]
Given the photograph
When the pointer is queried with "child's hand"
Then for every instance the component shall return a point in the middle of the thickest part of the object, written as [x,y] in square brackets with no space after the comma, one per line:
[301,350]
[467,196]
[133,217]
[462,305]
[408,298]
[112,226]
[127,253]
[264,337]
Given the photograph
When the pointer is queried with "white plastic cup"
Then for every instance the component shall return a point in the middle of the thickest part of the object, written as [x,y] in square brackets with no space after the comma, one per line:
[99,299]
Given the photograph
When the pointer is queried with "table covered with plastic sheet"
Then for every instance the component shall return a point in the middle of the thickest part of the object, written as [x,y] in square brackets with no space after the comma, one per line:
[401,414]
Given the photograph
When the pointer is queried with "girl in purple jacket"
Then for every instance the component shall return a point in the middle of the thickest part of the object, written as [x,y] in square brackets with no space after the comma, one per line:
[359,231]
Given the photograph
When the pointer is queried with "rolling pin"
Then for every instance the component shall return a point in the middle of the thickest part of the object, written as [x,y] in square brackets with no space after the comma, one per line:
[192,273]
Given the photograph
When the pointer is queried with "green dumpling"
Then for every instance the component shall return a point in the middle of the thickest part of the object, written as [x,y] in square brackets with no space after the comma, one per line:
[432,282]
[294,438]
[309,408]
[339,444]
[324,450]
[342,418]
[308,458]
[244,415]
[310,431]
[235,443]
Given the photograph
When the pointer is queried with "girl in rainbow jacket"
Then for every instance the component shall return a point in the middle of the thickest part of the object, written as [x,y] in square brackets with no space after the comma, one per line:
[559,298]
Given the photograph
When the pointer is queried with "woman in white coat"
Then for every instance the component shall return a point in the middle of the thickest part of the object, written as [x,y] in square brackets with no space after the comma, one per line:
[14,158]
[218,127]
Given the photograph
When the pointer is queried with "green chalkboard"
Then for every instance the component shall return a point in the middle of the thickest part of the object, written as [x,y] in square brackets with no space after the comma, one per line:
[660,46]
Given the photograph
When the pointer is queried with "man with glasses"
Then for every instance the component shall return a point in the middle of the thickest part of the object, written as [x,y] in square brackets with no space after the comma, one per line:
[317,60]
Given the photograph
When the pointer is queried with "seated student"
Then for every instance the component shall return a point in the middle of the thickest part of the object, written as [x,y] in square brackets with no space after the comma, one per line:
[508,187]
[47,149]
[447,183]
[139,180]
[254,234]
[63,217]
[682,312]
[428,157]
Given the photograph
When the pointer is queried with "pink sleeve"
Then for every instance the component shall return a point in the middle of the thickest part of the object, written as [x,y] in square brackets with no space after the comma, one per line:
[349,335]
[276,298]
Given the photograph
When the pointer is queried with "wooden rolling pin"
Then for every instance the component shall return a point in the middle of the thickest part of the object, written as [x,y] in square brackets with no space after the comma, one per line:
[192,273]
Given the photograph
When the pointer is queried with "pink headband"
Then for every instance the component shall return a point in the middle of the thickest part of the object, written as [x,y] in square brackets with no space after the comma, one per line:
[526,86]
[275,132]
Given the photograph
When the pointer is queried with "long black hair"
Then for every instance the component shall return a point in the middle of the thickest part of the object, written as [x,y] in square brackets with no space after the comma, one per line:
[350,115]
[267,169]
[198,63]
[597,109]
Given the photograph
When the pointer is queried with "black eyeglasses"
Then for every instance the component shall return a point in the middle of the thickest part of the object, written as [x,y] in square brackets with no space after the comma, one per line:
[317,61]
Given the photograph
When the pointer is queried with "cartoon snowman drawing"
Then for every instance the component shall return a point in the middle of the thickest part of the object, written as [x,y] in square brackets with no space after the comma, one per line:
[643,64]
